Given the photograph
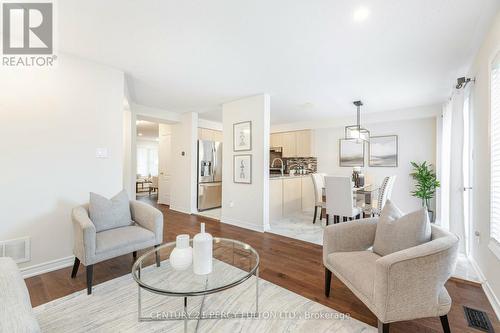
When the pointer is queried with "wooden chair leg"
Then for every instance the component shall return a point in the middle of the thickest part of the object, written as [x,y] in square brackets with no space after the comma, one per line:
[90,275]
[157,255]
[383,327]
[327,219]
[445,324]
[75,268]
[320,213]
[328,281]
[315,214]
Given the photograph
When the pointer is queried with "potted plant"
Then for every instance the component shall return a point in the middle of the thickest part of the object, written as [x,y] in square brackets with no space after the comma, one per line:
[426,184]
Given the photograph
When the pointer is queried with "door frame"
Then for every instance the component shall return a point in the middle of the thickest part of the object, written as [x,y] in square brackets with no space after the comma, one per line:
[134,117]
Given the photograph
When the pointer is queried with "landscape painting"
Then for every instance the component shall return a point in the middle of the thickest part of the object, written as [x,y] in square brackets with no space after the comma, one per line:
[384,151]
[351,153]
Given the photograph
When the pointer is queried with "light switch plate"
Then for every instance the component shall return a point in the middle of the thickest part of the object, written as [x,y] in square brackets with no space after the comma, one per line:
[101,153]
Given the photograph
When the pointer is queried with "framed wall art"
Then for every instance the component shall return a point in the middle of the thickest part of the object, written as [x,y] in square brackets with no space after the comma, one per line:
[242,169]
[383,151]
[242,136]
[351,153]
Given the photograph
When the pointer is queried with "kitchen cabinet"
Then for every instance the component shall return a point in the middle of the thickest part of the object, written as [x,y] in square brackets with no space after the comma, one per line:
[209,134]
[308,199]
[294,144]
[303,139]
[289,144]
[276,140]
[292,195]
[275,199]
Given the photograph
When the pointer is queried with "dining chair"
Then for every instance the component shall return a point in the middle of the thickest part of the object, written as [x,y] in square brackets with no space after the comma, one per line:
[339,199]
[154,184]
[384,194]
[319,183]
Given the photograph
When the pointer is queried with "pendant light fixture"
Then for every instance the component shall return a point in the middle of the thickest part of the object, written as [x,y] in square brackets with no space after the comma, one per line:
[356,132]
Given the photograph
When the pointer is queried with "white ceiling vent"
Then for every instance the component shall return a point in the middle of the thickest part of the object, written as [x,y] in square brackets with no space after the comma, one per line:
[18,249]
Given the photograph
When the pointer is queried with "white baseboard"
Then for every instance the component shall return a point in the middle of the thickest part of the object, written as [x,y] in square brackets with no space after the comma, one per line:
[181,209]
[48,266]
[242,224]
[492,298]
[476,268]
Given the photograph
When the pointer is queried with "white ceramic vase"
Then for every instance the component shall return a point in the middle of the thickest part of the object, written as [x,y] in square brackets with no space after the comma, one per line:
[202,252]
[182,255]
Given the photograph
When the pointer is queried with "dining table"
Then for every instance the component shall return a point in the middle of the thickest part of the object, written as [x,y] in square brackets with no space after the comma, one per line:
[141,181]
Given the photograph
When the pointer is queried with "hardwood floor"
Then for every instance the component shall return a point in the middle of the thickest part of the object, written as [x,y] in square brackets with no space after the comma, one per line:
[292,264]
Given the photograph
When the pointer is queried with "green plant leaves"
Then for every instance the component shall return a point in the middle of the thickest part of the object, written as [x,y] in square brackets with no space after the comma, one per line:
[426,182]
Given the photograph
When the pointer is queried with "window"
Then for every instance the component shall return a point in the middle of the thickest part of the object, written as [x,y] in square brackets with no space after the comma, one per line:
[495,155]
[147,161]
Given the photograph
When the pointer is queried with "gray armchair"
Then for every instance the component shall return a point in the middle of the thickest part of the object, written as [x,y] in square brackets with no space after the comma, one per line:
[403,285]
[91,247]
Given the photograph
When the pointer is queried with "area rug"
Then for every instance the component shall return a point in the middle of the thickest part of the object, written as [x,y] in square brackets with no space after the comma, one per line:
[113,307]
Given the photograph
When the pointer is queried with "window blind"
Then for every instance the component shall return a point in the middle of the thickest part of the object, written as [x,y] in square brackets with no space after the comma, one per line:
[495,151]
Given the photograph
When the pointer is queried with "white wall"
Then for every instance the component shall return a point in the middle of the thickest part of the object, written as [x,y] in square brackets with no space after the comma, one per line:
[247,205]
[184,175]
[52,122]
[366,118]
[128,177]
[488,263]
[416,140]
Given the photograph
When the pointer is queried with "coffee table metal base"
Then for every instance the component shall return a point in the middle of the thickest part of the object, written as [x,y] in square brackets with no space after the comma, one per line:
[187,317]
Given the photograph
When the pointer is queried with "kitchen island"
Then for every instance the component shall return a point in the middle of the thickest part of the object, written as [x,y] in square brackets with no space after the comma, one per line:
[289,195]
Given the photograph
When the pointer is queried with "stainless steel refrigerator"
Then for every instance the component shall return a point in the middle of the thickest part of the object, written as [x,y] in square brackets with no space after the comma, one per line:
[209,174]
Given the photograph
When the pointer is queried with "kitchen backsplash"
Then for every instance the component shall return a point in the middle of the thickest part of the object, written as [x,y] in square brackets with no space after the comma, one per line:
[309,163]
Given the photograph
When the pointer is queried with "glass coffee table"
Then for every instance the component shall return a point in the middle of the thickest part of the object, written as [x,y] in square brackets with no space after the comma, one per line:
[234,263]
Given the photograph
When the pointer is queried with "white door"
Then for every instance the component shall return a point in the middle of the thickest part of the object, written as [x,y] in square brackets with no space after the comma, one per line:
[164,164]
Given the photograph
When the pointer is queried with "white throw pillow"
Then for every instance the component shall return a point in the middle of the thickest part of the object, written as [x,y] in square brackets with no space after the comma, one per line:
[110,213]
[396,232]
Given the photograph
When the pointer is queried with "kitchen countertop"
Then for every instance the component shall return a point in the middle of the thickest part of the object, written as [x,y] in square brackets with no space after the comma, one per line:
[286,176]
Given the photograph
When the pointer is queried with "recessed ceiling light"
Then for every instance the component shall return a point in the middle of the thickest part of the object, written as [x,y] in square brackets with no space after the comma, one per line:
[140,134]
[360,14]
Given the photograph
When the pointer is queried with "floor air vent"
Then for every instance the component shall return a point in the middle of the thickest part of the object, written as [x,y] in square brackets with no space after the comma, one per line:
[478,320]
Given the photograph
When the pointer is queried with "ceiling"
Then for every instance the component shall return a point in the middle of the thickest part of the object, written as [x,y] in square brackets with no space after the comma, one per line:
[147,130]
[313,57]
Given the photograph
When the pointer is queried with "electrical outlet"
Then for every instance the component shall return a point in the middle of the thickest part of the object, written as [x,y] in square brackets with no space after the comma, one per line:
[231,204]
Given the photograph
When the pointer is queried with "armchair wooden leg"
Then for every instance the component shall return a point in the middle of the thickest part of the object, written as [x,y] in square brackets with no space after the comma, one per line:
[327,219]
[157,255]
[315,214]
[75,268]
[445,324]
[328,281]
[90,275]
[320,213]
[383,327]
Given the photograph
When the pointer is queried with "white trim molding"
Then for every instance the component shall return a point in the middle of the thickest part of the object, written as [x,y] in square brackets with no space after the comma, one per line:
[48,266]
[492,298]
[495,248]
